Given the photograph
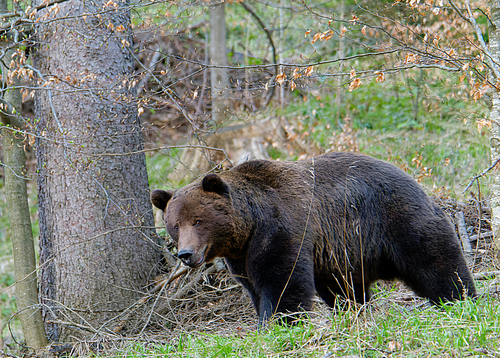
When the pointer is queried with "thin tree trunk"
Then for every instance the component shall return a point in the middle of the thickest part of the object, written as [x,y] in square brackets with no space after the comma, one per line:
[19,215]
[96,221]
[281,53]
[494,47]
[218,56]
[338,98]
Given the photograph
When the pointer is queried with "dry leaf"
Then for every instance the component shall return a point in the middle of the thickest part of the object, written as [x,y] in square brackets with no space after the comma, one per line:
[380,77]
[481,123]
[355,83]
[342,31]
[316,37]
[280,78]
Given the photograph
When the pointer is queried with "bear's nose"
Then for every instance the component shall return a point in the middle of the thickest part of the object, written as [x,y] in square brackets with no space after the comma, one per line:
[186,256]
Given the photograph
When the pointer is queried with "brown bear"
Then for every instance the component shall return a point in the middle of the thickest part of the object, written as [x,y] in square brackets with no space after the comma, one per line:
[333,225]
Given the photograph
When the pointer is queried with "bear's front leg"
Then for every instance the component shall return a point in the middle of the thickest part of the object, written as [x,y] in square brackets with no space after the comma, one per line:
[282,286]
[238,269]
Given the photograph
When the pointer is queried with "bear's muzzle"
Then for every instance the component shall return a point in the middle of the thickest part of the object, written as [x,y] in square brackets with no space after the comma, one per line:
[190,258]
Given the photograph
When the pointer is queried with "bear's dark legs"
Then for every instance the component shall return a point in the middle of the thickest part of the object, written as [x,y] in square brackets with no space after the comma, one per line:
[238,270]
[280,292]
[274,298]
[268,295]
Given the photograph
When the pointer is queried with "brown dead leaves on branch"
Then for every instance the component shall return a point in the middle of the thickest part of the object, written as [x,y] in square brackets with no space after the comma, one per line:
[322,36]
[355,81]
[296,74]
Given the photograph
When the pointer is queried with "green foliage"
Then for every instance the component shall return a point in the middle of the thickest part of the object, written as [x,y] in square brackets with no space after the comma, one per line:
[7,301]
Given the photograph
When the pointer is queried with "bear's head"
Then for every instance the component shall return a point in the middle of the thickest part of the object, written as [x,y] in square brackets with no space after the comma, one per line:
[200,219]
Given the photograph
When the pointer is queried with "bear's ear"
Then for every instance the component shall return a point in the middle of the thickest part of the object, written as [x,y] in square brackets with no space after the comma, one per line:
[215,184]
[160,198]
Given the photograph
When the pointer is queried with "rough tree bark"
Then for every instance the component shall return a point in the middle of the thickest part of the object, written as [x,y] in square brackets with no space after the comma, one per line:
[96,220]
[19,214]
[494,48]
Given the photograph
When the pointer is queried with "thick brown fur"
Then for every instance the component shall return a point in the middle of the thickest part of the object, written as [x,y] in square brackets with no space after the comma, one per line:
[331,225]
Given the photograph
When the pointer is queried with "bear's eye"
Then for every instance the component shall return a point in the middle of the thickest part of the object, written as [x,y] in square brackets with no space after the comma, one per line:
[198,222]
[176,227]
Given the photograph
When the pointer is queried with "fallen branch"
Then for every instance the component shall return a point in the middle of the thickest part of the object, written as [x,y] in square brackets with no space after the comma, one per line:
[183,291]
[462,232]
[483,235]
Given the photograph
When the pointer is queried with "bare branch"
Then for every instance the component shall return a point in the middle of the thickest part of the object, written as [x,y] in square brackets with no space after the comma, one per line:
[481,175]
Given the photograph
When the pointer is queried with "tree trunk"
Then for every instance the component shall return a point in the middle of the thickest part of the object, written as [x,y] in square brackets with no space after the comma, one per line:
[494,47]
[19,215]
[96,220]
[218,56]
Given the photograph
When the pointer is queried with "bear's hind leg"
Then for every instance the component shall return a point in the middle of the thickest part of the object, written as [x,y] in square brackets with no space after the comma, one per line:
[441,279]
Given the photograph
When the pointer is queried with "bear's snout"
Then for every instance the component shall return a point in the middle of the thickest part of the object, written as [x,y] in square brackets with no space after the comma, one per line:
[190,258]
[186,256]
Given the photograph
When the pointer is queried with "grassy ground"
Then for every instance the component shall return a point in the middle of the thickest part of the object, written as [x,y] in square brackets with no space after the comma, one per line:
[389,326]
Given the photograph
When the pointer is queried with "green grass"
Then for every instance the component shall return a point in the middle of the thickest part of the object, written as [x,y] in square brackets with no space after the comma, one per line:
[381,329]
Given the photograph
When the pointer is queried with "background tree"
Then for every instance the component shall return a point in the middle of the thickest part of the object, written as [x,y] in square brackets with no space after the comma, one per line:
[494,59]
[218,56]
[14,141]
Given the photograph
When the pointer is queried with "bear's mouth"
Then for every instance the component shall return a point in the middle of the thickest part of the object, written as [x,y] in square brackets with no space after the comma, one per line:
[200,261]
